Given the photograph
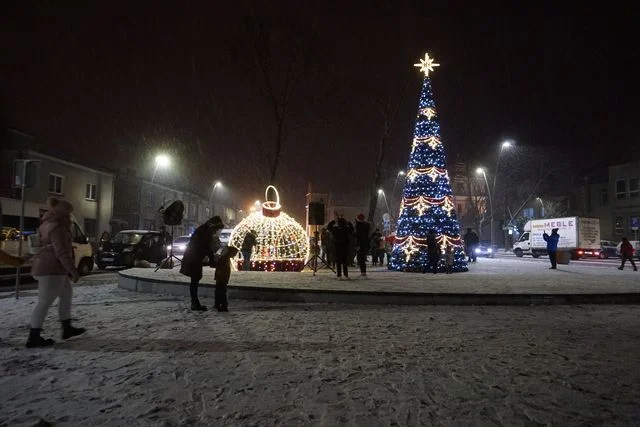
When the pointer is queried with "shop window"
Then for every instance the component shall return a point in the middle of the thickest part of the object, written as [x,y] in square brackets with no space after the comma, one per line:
[619,225]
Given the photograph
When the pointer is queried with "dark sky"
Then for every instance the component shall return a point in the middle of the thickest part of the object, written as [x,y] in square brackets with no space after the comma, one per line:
[113,84]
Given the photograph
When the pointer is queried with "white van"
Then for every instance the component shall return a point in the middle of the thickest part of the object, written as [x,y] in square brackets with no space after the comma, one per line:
[82,249]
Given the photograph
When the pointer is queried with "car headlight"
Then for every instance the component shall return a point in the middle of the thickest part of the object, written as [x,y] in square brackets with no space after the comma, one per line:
[489,250]
[168,247]
[478,250]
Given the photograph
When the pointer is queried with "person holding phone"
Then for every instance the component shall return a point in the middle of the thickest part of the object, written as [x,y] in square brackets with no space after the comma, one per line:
[552,246]
[54,269]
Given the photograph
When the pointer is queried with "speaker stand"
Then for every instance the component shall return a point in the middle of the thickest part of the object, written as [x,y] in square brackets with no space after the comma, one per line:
[168,261]
[313,261]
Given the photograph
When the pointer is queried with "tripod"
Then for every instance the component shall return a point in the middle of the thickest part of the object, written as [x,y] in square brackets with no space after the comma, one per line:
[313,261]
[168,261]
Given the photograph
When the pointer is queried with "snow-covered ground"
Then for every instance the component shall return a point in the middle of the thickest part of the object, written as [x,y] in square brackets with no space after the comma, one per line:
[147,360]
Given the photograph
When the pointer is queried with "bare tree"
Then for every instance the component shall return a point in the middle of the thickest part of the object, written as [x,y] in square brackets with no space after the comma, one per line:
[389,112]
[284,53]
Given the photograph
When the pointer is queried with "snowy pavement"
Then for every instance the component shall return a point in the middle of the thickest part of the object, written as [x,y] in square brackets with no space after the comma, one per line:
[149,361]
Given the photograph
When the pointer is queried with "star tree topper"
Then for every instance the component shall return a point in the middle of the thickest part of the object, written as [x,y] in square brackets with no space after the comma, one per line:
[426,65]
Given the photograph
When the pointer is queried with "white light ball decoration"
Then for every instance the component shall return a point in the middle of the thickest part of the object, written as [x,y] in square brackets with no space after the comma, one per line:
[281,245]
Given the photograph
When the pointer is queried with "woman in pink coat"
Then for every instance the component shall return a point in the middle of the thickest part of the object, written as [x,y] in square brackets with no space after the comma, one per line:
[54,269]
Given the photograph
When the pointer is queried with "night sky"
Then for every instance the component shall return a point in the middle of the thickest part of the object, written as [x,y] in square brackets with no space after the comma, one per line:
[112,84]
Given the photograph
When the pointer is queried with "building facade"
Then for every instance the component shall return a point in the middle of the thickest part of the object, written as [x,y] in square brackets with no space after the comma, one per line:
[90,191]
[138,204]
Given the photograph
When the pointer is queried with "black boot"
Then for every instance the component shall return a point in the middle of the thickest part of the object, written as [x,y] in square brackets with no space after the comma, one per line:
[35,340]
[196,306]
[69,331]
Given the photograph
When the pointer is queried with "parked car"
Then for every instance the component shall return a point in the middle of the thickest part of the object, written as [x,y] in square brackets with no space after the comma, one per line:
[82,249]
[636,248]
[608,249]
[180,245]
[225,235]
[485,249]
[129,246]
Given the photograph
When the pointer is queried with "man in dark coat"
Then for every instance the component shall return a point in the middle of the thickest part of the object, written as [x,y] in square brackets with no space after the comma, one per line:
[433,250]
[552,246]
[471,240]
[249,241]
[341,231]
[204,243]
[363,230]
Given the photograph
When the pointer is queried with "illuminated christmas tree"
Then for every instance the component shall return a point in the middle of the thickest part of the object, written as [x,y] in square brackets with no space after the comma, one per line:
[427,200]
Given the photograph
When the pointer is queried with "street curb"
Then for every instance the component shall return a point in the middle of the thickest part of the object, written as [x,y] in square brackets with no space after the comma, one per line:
[159,286]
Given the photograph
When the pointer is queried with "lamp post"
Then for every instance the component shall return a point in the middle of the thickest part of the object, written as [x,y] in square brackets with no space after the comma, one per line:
[505,145]
[393,192]
[162,161]
[381,191]
[541,204]
[216,185]
[484,174]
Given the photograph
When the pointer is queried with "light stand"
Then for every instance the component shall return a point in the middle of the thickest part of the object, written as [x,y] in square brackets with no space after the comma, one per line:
[168,261]
[313,261]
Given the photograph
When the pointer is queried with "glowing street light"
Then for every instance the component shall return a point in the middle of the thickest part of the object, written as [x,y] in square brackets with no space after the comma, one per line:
[162,161]
[381,192]
[215,185]
[541,204]
[481,171]
[395,185]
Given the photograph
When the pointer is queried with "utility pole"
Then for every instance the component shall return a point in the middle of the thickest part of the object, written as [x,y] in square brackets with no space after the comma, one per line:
[21,166]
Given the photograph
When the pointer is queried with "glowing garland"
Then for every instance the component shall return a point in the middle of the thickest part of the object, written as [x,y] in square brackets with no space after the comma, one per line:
[281,243]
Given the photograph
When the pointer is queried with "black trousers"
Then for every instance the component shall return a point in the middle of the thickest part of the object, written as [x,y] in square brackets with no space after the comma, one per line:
[553,258]
[362,258]
[342,259]
[221,294]
[625,258]
[193,289]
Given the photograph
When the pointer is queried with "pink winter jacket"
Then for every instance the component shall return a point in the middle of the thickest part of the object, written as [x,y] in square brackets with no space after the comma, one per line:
[56,256]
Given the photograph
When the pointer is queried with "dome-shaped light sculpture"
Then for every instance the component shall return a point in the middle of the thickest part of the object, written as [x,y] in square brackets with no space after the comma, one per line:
[281,244]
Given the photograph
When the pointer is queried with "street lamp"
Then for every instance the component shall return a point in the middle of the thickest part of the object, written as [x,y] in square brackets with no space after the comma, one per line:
[395,184]
[381,191]
[216,185]
[162,161]
[484,174]
[505,145]
[541,204]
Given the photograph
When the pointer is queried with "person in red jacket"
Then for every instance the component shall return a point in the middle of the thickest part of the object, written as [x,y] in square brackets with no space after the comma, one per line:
[626,252]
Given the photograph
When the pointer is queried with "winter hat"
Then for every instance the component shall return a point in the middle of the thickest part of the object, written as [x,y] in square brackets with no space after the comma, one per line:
[216,222]
[360,217]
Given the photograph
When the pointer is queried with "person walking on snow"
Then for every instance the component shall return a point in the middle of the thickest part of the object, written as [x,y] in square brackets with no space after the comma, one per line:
[363,228]
[54,269]
[250,240]
[626,253]
[471,240]
[341,231]
[433,250]
[204,243]
[552,246]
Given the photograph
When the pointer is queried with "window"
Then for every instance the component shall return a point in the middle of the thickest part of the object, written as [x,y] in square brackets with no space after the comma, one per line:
[207,212]
[619,225]
[527,213]
[55,183]
[634,188]
[604,197]
[193,209]
[150,199]
[90,194]
[621,189]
